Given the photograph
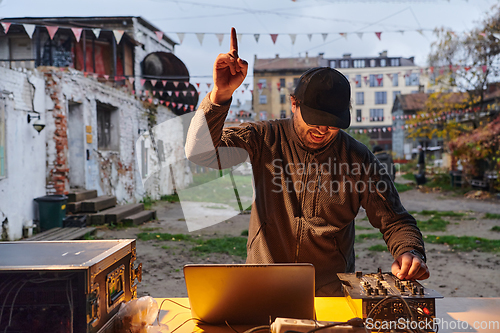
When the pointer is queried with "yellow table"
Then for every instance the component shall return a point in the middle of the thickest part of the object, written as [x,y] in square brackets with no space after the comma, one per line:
[174,315]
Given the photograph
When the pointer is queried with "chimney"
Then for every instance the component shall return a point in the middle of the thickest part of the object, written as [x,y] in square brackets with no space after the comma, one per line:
[383,54]
[346,55]
[320,55]
[277,55]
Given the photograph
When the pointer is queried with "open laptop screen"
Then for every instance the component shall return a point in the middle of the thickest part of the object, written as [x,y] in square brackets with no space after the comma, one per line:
[250,294]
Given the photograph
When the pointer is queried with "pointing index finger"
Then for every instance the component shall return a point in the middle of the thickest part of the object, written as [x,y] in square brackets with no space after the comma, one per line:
[234,44]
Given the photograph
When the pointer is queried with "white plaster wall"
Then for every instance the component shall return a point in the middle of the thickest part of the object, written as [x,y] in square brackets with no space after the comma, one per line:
[25,155]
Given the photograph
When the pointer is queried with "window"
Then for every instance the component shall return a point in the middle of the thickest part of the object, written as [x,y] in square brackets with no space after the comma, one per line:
[263,99]
[358,81]
[107,127]
[358,63]
[262,115]
[376,80]
[373,63]
[3,144]
[282,99]
[376,114]
[360,98]
[380,97]
[282,83]
[332,63]
[262,84]
[395,79]
[395,93]
[282,114]
[395,62]
[412,79]
[344,63]
[383,62]
[358,115]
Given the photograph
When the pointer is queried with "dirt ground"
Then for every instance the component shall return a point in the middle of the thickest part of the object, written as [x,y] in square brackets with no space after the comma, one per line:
[460,274]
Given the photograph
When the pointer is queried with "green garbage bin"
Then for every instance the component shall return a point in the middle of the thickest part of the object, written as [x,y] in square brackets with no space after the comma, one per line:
[52,210]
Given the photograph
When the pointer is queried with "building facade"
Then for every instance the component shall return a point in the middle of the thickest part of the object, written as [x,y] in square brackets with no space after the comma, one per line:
[375,82]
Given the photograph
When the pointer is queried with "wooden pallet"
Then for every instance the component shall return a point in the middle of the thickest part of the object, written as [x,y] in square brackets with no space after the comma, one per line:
[61,234]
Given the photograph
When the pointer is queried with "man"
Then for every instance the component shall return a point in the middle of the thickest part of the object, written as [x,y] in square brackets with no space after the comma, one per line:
[310,177]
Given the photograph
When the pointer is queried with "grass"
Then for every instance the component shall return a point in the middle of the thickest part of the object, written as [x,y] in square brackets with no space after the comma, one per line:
[145,236]
[359,238]
[408,176]
[150,229]
[435,223]
[442,180]
[244,233]
[170,197]
[403,187]
[120,225]
[491,216]
[148,202]
[439,213]
[378,248]
[465,243]
[358,227]
[496,228]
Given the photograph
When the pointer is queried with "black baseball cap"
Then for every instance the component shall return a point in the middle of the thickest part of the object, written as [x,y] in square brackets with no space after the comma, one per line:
[324,96]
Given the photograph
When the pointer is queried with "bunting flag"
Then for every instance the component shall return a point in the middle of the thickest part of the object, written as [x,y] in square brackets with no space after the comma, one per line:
[29,28]
[420,31]
[482,34]
[184,92]
[220,37]
[293,37]
[143,81]
[6,26]
[169,93]
[167,103]
[78,33]
[256,36]
[198,85]
[192,92]
[324,36]
[131,79]
[365,78]
[360,35]
[186,83]
[343,34]
[159,35]
[52,29]
[118,35]
[164,82]
[378,35]
[179,105]
[191,106]
[95,76]
[208,85]
[176,83]
[161,93]
[176,93]
[200,36]
[106,77]
[180,35]
[96,32]
[309,36]
[484,68]
[389,76]
[173,104]
[274,37]
[246,85]
[153,82]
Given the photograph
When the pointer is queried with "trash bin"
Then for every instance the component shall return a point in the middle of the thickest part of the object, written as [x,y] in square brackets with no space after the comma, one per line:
[51,210]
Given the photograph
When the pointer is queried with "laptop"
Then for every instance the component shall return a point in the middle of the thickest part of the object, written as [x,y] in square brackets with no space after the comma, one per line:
[250,294]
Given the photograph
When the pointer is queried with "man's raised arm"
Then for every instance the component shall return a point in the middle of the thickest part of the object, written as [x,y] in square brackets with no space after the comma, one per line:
[205,131]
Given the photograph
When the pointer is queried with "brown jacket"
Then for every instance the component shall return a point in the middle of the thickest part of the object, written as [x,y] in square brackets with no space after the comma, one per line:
[305,201]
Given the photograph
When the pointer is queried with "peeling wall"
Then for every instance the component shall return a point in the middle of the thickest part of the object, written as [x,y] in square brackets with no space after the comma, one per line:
[25,151]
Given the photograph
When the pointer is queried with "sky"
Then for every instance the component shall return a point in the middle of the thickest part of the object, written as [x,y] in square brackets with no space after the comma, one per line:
[397,20]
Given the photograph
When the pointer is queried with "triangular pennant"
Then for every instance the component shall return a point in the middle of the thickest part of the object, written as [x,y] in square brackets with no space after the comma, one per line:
[191,106]
[52,29]
[420,31]
[192,92]
[161,93]
[85,74]
[78,33]
[143,81]
[360,35]
[173,104]
[186,83]
[180,35]
[198,84]
[484,68]
[6,26]
[29,28]
[159,35]
[220,38]
[95,76]
[200,36]
[256,36]
[106,77]
[274,37]
[179,105]
[164,82]
[176,93]
[209,84]
[176,83]
[310,36]
[184,92]
[324,36]
[96,32]
[131,80]
[153,82]
[293,37]
[378,34]
[118,35]
[246,85]
[167,103]
[169,93]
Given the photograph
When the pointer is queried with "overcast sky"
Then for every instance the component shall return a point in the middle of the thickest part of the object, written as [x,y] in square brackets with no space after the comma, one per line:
[282,17]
